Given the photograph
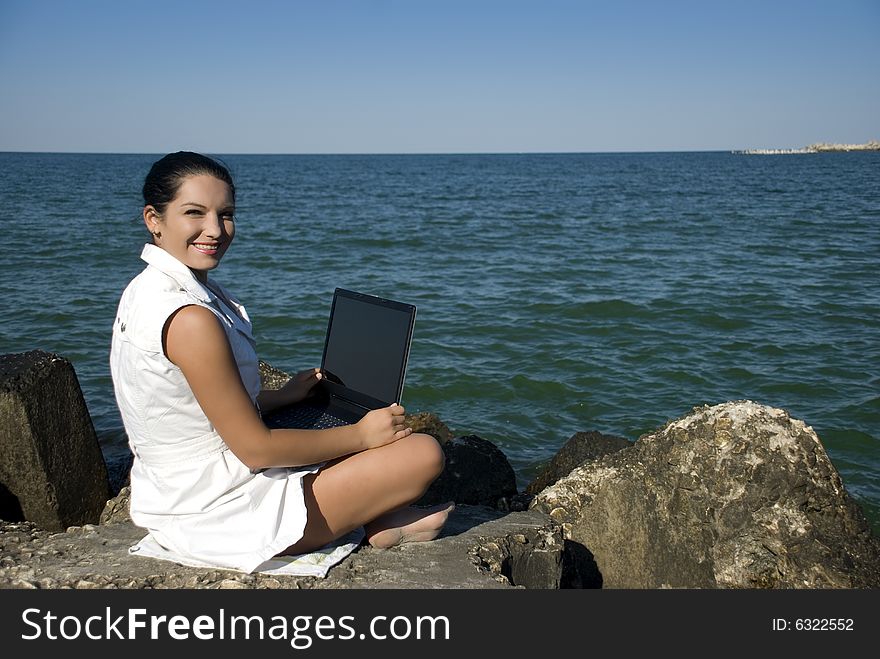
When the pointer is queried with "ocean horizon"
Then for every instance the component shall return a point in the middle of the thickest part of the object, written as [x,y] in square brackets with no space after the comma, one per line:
[385,153]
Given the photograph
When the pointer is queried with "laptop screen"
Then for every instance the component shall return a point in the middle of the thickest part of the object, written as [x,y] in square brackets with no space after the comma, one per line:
[367,347]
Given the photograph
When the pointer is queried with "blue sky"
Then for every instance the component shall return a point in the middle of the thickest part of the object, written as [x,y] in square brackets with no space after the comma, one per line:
[431,76]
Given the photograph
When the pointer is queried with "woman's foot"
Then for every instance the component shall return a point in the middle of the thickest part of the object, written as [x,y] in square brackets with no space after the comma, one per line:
[408,525]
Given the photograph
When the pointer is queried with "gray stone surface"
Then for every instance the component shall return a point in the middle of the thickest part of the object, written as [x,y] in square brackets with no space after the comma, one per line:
[479,548]
[52,471]
[738,495]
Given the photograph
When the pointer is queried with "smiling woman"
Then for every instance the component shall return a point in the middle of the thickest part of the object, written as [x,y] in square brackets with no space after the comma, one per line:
[210,481]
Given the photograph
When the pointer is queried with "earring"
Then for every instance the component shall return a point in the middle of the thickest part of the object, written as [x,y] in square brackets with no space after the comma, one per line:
[157,234]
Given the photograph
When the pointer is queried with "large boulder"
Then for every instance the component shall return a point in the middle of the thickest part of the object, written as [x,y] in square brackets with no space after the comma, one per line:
[476,473]
[52,471]
[738,495]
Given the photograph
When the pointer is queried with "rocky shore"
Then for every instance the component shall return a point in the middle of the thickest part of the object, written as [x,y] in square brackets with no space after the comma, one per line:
[735,495]
[819,147]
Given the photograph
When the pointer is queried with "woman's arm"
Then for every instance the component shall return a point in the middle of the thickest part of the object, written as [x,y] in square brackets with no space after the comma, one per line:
[195,341]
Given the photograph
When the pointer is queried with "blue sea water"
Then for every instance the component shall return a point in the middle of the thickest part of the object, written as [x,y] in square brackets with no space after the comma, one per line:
[556,292]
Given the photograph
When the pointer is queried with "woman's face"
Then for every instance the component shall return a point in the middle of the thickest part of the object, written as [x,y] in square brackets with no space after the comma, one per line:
[198,225]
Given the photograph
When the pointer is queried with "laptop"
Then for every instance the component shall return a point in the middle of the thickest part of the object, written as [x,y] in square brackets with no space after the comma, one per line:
[363,366]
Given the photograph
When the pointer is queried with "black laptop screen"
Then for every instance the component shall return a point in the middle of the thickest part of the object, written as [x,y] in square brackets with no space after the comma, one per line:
[368,344]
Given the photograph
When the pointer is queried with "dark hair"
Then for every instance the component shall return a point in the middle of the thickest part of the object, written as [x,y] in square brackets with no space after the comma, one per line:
[166,176]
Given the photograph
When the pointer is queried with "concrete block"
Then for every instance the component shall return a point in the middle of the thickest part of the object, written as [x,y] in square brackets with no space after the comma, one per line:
[52,471]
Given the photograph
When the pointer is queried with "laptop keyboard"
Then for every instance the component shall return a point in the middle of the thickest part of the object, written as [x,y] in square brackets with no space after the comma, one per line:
[303,416]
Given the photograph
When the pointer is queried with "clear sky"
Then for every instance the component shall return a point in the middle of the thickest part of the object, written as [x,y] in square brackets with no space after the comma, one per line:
[436,76]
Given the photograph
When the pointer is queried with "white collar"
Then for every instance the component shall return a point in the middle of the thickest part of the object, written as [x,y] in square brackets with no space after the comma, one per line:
[179,272]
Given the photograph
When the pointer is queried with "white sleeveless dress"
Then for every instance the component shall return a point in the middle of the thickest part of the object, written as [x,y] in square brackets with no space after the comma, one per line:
[200,503]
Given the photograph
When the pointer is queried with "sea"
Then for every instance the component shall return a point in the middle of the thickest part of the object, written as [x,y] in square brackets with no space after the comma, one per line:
[556,293]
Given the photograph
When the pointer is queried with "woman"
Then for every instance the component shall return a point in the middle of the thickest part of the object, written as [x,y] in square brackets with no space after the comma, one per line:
[210,481]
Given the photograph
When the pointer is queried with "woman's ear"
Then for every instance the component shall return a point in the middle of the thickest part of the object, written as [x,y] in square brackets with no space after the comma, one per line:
[152,219]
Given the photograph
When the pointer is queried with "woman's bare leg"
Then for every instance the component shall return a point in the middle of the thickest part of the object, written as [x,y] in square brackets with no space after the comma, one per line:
[372,489]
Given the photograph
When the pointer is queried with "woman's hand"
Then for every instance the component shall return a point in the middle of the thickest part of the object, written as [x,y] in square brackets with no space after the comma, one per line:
[294,390]
[300,385]
[383,426]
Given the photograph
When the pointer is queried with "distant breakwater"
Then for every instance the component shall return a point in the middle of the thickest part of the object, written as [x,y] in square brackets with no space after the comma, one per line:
[820,147]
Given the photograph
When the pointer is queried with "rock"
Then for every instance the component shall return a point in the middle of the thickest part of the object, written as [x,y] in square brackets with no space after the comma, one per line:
[476,473]
[430,424]
[116,509]
[738,495]
[580,448]
[271,377]
[52,471]
[478,548]
[532,561]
